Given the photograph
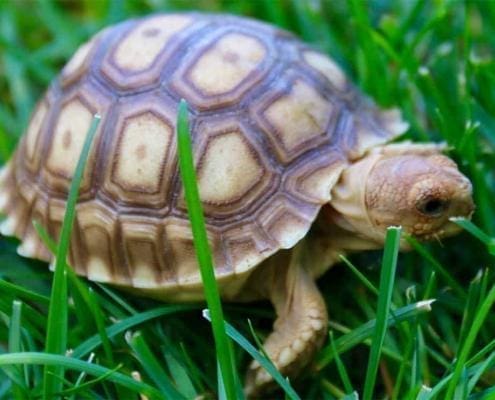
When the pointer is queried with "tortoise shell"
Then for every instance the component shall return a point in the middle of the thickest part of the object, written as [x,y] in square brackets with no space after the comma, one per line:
[273,124]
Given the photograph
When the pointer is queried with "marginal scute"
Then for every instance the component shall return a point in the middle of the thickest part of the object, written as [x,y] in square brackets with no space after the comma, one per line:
[180,243]
[228,169]
[284,223]
[146,41]
[246,246]
[27,191]
[145,141]
[391,120]
[141,239]
[312,182]
[327,67]
[79,62]
[287,228]
[298,120]
[98,229]
[366,135]
[8,226]
[40,215]
[244,254]
[227,64]
[34,129]
[6,173]
[4,201]
[98,242]
[28,247]
[319,183]
[31,245]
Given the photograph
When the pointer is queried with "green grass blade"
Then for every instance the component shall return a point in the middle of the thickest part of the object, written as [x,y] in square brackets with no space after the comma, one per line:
[463,354]
[15,69]
[485,366]
[482,353]
[387,277]
[181,378]
[34,358]
[472,303]
[117,299]
[86,305]
[56,334]
[236,336]
[18,291]
[488,394]
[151,365]
[351,396]
[203,252]
[424,393]
[418,247]
[461,390]
[100,325]
[76,389]
[373,64]
[477,233]
[93,342]
[18,390]
[365,331]
[344,376]
[15,327]
[82,376]
[359,275]
[471,372]
[45,238]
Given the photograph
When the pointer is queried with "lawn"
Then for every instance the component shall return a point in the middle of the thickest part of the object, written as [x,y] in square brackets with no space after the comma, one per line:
[434,61]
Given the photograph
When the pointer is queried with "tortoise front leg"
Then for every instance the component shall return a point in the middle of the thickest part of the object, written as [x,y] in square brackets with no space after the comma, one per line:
[301,325]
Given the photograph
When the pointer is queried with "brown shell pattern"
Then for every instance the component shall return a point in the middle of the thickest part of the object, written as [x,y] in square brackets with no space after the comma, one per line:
[273,124]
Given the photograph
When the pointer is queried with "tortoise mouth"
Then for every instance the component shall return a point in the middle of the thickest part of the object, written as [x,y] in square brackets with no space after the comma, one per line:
[447,229]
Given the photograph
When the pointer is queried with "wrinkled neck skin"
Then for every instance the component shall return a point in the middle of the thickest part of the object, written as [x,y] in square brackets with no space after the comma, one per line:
[345,218]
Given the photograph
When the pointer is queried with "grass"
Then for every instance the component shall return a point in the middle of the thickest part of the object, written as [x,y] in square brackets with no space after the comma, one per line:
[387,278]
[56,330]
[434,60]
[228,381]
[202,247]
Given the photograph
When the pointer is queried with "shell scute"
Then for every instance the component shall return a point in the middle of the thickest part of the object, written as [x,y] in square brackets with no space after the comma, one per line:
[327,68]
[98,226]
[139,169]
[80,62]
[70,120]
[296,119]
[138,51]
[33,133]
[233,169]
[222,68]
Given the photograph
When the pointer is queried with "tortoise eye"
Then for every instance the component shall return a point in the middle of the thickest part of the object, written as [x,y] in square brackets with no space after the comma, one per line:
[432,207]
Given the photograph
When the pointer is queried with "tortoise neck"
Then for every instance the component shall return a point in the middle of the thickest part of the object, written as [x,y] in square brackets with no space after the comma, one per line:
[344,237]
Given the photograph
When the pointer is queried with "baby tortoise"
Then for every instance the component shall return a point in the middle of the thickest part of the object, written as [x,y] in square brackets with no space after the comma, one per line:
[282,141]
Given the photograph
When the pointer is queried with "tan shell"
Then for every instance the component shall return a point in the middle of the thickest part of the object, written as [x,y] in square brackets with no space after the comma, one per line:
[273,124]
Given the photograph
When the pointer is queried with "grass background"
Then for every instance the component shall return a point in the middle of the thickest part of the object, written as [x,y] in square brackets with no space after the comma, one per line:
[434,60]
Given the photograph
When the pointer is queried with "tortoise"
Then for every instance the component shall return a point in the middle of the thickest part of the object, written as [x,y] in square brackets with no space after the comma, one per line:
[295,166]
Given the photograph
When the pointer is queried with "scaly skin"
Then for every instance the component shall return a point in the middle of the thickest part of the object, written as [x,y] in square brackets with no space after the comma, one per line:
[301,324]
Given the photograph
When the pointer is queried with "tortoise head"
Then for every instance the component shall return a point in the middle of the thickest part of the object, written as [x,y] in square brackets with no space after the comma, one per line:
[408,185]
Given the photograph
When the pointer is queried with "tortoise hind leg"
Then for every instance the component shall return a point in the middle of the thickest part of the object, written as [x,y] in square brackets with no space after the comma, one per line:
[301,324]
